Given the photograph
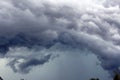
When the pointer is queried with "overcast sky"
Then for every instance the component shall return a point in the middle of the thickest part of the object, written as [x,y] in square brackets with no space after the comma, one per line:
[59,39]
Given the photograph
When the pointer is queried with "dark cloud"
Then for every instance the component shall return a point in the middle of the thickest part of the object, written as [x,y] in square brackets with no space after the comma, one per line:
[26,66]
[34,26]
[28,25]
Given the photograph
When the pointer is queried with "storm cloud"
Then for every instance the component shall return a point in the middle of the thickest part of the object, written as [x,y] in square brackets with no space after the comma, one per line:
[30,28]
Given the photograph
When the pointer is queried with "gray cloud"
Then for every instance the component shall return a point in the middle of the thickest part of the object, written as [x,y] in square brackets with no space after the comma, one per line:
[112,3]
[25,67]
[29,26]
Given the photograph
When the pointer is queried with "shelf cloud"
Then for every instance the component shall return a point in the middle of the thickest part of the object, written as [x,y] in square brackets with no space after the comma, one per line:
[29,28]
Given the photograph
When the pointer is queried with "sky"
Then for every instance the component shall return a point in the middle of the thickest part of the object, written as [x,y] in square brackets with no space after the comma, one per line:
[59,39]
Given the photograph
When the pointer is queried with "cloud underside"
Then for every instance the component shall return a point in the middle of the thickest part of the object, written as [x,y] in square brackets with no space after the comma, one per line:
[29,28]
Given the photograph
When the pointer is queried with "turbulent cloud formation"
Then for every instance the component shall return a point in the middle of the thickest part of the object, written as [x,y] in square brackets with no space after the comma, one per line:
[29,28]
[26,65]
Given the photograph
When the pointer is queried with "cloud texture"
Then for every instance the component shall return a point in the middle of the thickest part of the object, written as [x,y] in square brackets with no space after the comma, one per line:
[29,28]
